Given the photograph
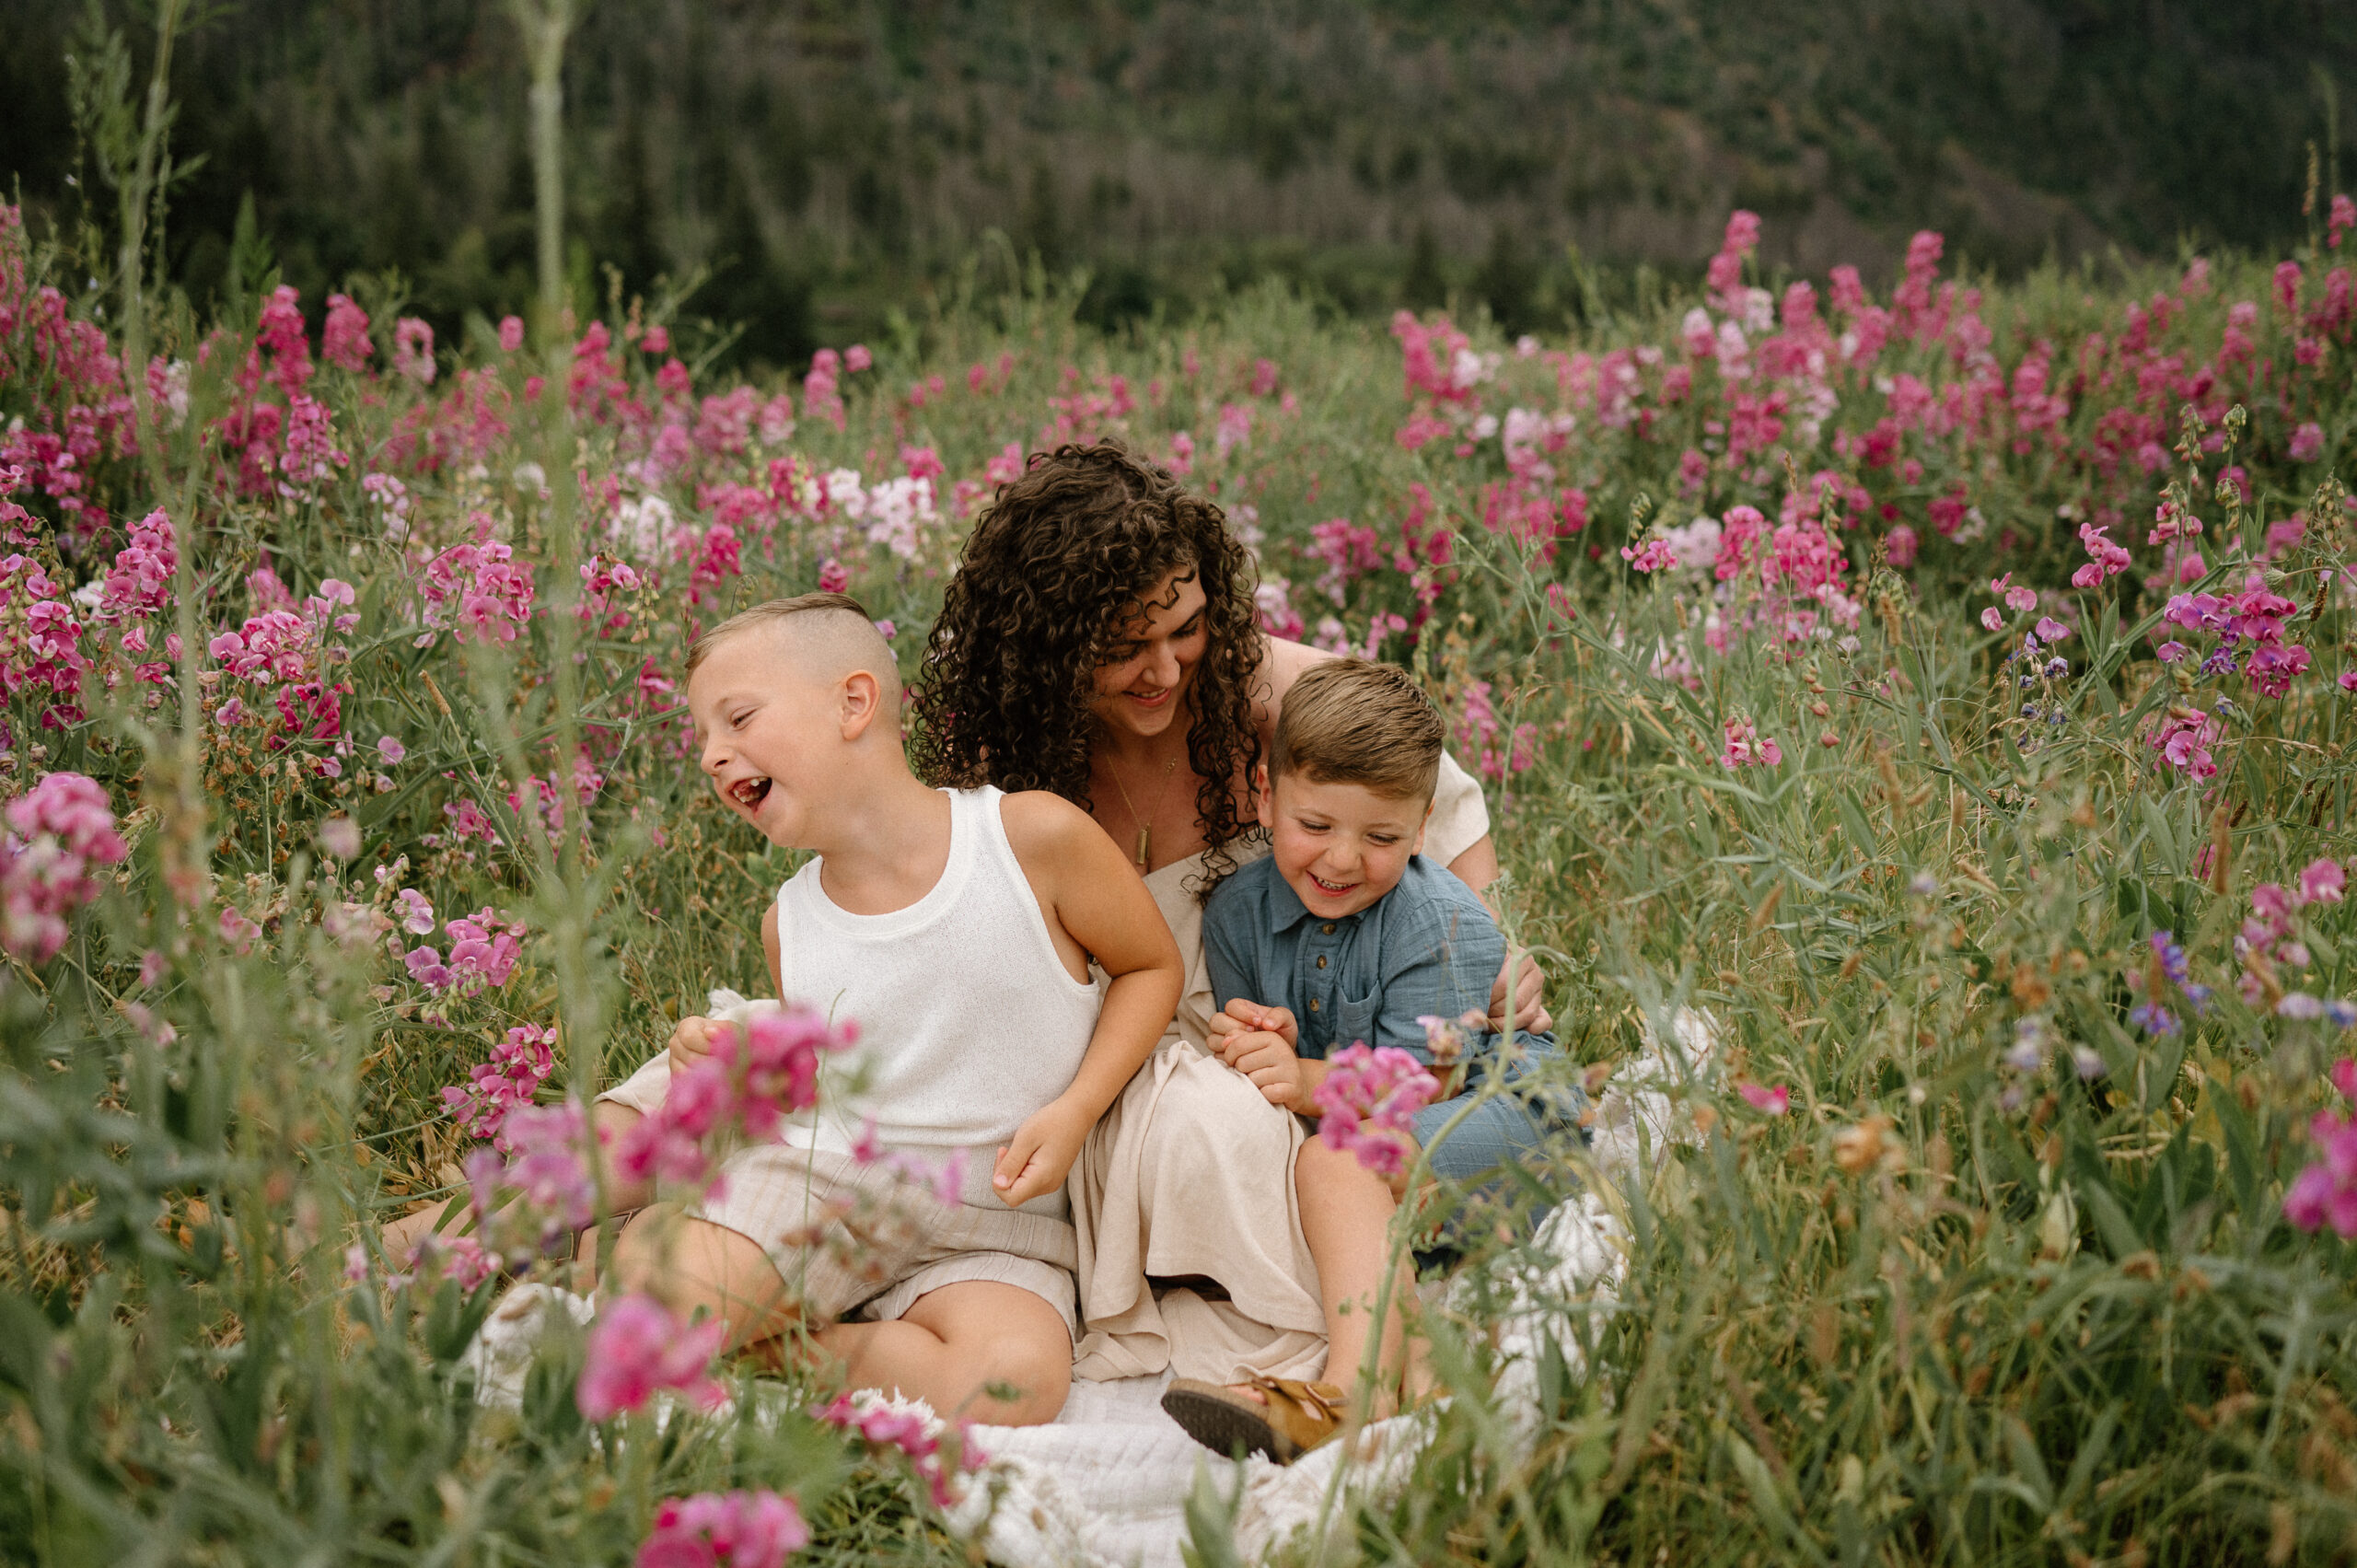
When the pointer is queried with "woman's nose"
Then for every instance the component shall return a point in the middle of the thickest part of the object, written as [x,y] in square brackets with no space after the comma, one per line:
[1162,665]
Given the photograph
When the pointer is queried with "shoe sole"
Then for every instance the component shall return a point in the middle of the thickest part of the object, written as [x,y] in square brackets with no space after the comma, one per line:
[1224,1428]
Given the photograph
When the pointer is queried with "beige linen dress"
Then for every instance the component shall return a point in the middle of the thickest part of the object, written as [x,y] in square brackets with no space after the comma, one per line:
[1188,1178]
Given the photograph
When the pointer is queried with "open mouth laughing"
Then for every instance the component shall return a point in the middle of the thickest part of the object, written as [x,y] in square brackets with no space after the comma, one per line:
[1332,889]
[749,792]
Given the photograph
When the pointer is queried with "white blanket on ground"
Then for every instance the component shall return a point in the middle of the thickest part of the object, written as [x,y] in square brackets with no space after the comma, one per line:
[1106,1484]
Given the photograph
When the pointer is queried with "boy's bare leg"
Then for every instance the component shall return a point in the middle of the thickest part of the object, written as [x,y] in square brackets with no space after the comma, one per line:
[692,1265]
[955,1344]
[1346,1218]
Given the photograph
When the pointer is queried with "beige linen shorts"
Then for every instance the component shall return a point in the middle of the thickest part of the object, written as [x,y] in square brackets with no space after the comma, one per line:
[863,1240]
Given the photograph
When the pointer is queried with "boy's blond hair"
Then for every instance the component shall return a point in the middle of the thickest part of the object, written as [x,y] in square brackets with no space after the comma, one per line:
[838,620]
[1349,721]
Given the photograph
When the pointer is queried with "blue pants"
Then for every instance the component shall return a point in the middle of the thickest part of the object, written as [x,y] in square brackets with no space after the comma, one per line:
[1518,1126]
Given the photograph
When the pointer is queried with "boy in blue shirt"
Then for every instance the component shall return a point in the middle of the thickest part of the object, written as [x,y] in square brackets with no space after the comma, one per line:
[1344,933]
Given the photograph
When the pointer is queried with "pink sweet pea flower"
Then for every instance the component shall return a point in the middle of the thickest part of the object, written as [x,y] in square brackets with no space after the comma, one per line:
[1993,619]
[637,1346]
[2321,882]
[2050,630]
[1774,1099]
[724,1529]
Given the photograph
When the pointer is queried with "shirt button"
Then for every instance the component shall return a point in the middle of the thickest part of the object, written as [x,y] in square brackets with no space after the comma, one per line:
[1321,960]
[1328,928]
[1313,1004]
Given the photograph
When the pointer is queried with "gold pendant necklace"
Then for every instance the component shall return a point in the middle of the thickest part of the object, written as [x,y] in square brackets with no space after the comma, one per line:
[1145,828]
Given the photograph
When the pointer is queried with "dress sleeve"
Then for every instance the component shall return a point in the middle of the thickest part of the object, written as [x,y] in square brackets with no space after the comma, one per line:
[1460,817]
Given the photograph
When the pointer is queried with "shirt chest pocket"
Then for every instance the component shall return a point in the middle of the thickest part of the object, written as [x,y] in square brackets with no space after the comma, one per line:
[1354,1021]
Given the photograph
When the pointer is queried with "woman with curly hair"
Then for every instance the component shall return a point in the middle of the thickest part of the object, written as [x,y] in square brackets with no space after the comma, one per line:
[1098,639]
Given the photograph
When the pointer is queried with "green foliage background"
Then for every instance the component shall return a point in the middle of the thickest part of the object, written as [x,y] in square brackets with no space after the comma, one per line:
[828,160]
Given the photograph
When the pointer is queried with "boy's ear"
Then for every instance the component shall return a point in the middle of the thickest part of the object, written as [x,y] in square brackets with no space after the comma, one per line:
[1262,795]
[858,700]
[1423,826]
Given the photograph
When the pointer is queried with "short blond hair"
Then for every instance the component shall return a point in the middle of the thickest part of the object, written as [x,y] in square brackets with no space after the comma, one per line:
[1351,721]
[837,623]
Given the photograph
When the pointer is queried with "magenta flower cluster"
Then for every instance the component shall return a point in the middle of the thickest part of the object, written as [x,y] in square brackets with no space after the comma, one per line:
[2324,1192]
[759,1072]
[519,1064]
[484,949]
[479,592]
[638,1346]
[724,1529]
[58,831]
[545,1191]
[886,1423]
[1368,1104]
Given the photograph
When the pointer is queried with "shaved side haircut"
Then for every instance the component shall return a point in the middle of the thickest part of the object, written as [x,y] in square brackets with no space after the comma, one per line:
[831,635]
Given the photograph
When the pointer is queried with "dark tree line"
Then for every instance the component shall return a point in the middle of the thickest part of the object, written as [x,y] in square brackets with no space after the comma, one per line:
[816,159]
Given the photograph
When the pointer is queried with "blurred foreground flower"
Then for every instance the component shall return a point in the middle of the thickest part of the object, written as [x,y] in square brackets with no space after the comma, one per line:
[58,830]
[724,1529]
[638,1346]
[2326,1192]
[1370,1103]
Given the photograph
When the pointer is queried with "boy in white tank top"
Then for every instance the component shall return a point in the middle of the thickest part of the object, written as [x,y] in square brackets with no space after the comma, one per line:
[957,928]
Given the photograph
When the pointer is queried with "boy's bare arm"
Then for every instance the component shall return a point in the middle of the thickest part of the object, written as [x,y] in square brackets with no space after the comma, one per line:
[1095,895]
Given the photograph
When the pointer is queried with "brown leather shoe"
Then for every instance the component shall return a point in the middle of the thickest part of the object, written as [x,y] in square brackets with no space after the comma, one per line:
[1298,1416]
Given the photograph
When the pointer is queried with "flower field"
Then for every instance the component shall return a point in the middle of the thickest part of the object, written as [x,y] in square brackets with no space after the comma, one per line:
[1944,687]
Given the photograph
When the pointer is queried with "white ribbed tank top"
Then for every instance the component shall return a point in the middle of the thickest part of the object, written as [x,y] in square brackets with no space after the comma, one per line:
[969,1021]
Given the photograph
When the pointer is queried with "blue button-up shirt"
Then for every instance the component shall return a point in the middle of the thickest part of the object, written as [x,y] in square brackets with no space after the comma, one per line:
[1427,948]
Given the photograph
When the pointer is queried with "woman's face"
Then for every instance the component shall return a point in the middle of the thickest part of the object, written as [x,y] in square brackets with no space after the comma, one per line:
[1143,683]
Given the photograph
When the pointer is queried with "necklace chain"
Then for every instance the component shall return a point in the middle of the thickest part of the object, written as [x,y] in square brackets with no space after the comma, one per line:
[1145,828]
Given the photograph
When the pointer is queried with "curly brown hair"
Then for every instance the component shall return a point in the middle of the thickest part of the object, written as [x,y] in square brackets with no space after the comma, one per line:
[1050,580]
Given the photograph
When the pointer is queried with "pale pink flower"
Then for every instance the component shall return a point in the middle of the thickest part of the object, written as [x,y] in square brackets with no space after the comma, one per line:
[2321,882]
[1775,1099]
[1745,748]
[511,333]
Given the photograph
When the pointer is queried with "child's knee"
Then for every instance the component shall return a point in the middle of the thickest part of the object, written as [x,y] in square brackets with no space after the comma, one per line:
[1035,1367]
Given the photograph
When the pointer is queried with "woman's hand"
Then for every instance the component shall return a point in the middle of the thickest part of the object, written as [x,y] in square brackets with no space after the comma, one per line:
[1526,1010]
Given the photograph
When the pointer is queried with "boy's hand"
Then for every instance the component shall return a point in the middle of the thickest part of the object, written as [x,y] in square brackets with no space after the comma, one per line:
[1267,1057]
[1245,1018]
[691,1041]
[1036,1160]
